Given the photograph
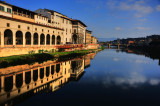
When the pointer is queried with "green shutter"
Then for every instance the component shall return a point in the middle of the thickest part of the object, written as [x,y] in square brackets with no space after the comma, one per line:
[0,8]
[3,8]
[7,9]
[10,10]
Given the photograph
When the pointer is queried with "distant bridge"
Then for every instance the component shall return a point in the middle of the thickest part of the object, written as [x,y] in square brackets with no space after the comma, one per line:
[117,45]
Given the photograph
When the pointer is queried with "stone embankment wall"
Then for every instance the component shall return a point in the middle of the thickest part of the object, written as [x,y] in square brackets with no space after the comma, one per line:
[10,51]
[22,50]
[92,46]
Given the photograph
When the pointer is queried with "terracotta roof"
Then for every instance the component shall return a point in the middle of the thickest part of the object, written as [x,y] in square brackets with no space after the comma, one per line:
[74,20]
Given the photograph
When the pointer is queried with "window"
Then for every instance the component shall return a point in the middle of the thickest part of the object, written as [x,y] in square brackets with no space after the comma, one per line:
[74,30]
[9,10]
[2,8]
[66,39]
[28,28]
[42,30]
[8,25]
[48,30]
[19,26]
[35,29]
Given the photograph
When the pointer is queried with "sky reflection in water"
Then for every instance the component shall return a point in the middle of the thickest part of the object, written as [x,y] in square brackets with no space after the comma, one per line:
[113,78]
[111,68]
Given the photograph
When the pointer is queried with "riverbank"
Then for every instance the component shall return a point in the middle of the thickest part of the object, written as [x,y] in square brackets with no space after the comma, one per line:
[149,51]
[40,57]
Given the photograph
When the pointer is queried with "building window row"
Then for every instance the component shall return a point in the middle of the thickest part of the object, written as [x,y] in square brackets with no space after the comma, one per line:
[2,8]
[9,10]
[43,18]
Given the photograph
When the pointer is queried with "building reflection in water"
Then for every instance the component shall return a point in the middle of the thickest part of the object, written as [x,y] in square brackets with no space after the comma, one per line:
[27,80]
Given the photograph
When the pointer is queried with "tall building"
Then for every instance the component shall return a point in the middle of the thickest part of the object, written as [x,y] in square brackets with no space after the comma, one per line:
[79,32]
[58,20]
[88,37]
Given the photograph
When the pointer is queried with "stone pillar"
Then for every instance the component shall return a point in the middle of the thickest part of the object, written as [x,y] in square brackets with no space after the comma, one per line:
[44,71]
[31,75]
[2,39]
[50,40]
[109,46]
[38,73]
[118,46]
[14,38]
[24,40]
[14,81]
[2,83]
[50,70]
[32,40]
[39,39]
[45,39]
[23,78]
[55,40]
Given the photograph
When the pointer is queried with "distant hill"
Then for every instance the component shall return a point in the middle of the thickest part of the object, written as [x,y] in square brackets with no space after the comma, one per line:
[106,39]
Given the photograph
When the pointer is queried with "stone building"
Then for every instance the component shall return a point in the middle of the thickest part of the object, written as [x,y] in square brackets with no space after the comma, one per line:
[94,40]
[79,31]
[24,30]
[58,20]
[88,37]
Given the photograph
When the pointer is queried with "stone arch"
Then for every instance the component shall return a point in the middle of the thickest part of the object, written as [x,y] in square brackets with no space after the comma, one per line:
[8,83]
[58,40]
[47,71]
[35,39]
[53,39]
[27,77]
[52,69]
[42,73]
[42,39]
[19,38]
[48,39]
[57,68]
[35,75]
[75,39]
[8,37]
[28,38]
[19,80]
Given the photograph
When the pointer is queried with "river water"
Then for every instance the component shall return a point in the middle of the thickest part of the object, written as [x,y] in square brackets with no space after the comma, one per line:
[110,77]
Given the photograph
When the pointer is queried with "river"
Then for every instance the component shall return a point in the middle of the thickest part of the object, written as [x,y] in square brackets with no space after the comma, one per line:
[110,77]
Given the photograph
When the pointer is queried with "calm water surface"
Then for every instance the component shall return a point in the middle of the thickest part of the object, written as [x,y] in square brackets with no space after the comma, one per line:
[113,78]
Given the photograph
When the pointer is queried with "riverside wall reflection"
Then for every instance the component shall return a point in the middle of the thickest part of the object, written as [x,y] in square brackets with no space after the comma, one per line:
[19,82]
[151,54]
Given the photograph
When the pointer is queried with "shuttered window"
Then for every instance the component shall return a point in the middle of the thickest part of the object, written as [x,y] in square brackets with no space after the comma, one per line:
[3,8]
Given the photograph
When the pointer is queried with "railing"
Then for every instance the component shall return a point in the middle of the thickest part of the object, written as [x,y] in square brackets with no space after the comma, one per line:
[23,15]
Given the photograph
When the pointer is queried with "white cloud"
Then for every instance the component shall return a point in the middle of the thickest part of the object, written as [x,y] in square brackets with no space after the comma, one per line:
[158,8]
[154,81]
[116,59]
[140,8]
[143,28]
[118,28]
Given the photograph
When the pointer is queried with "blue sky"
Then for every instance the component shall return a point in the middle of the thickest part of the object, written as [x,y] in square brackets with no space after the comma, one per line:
[106,18]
